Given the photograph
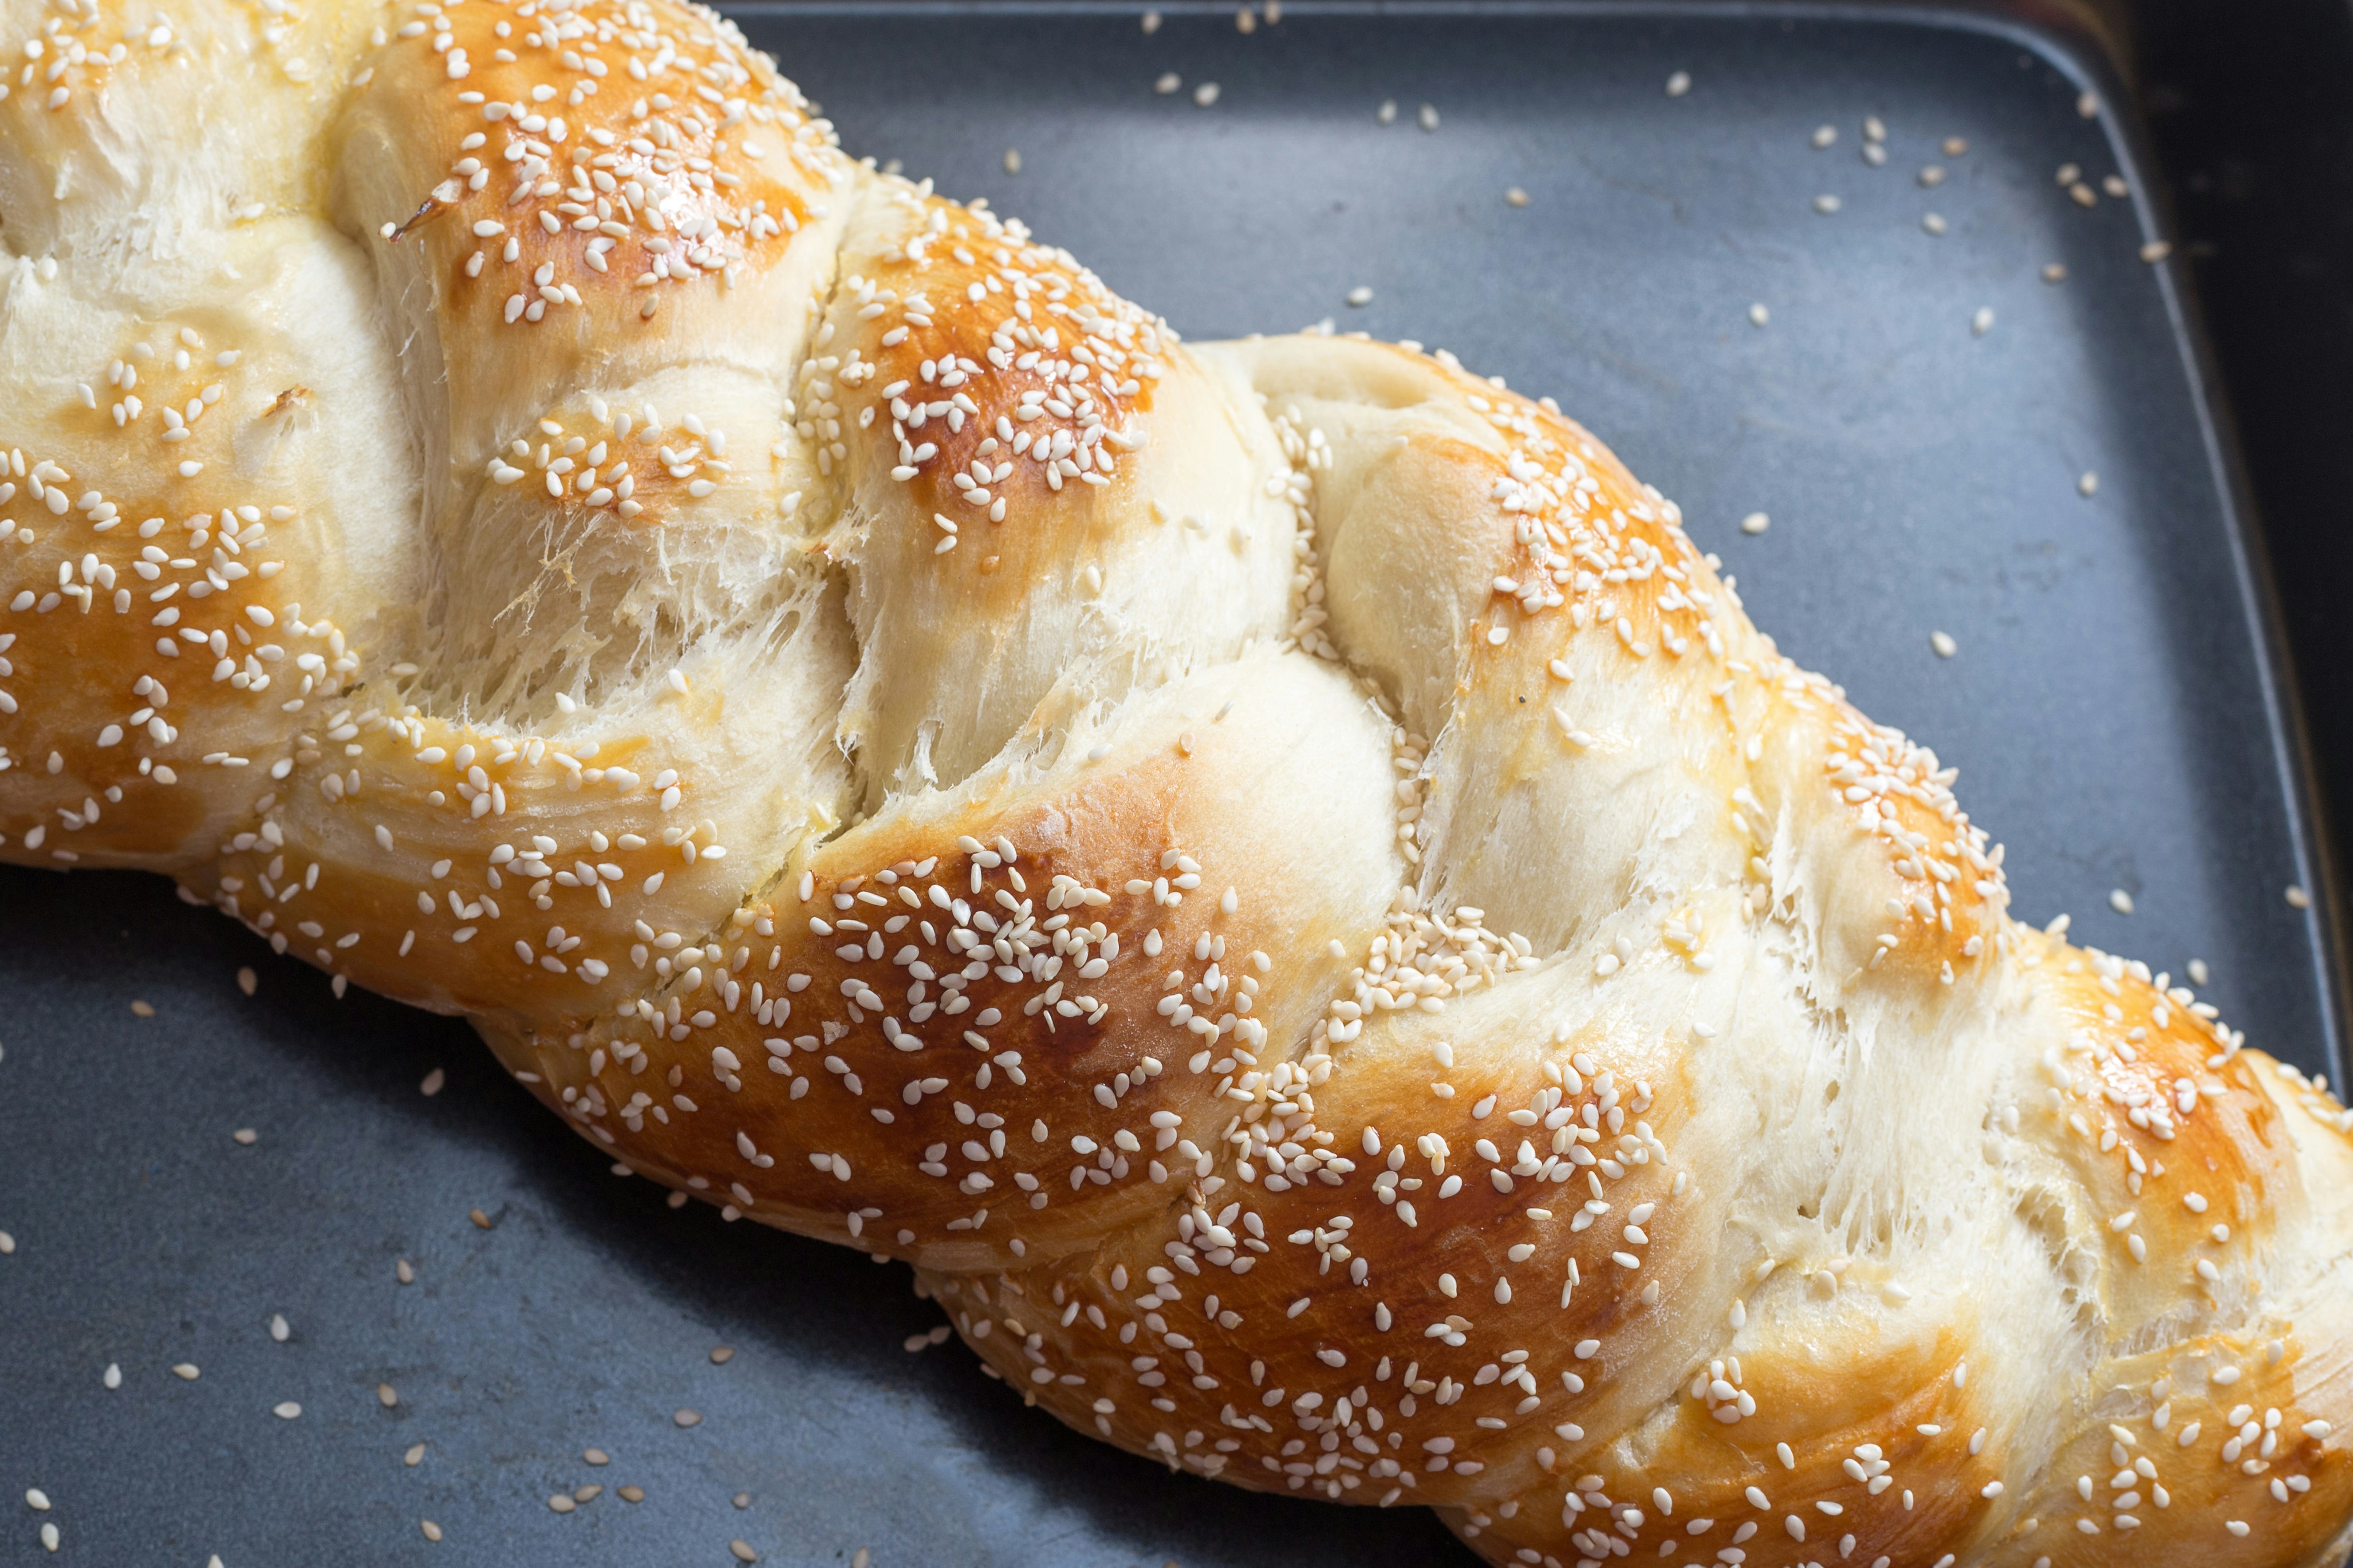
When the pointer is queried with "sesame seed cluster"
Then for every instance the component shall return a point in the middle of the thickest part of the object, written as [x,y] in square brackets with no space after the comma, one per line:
[606,138]
[1275,873]
[1029,381]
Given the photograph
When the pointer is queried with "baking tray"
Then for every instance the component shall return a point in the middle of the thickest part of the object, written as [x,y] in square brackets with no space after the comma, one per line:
[2112,706]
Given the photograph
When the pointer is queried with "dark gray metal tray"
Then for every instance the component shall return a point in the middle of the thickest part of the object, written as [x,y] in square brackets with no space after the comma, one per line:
[2112,706]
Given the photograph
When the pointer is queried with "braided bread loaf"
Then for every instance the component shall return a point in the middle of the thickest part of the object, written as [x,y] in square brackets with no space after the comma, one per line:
[1272,871]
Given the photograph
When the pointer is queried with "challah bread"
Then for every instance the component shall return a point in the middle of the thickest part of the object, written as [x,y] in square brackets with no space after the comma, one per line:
[1272,871]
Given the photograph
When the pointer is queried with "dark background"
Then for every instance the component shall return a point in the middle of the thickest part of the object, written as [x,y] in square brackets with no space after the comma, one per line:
[2250,112]
[2108,710]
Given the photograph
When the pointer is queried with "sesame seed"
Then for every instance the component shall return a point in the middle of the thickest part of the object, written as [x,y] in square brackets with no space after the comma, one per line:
[1362,294]
[432,1530]
[286,1411]
[1826,204]
[1943,644]
[722,1354]
[1012,160]
[687,1418]
[432,1084]
[1516,196]
[2298,899]
[2120,900]
[2088,485]
[1166,83]
[1758,315]
[1206,94]
[1679,84]
[1982,322]
[2156,250]
[742,1551]
[1756,523]
[1824,136]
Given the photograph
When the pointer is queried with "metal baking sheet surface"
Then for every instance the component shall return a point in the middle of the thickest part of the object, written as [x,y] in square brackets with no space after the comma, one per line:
[2109,704]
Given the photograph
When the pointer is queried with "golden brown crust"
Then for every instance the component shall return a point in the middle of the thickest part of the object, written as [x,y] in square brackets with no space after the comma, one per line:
[1003,369]
[173,604]
[1274,872]
[912,1007]
[567,179]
